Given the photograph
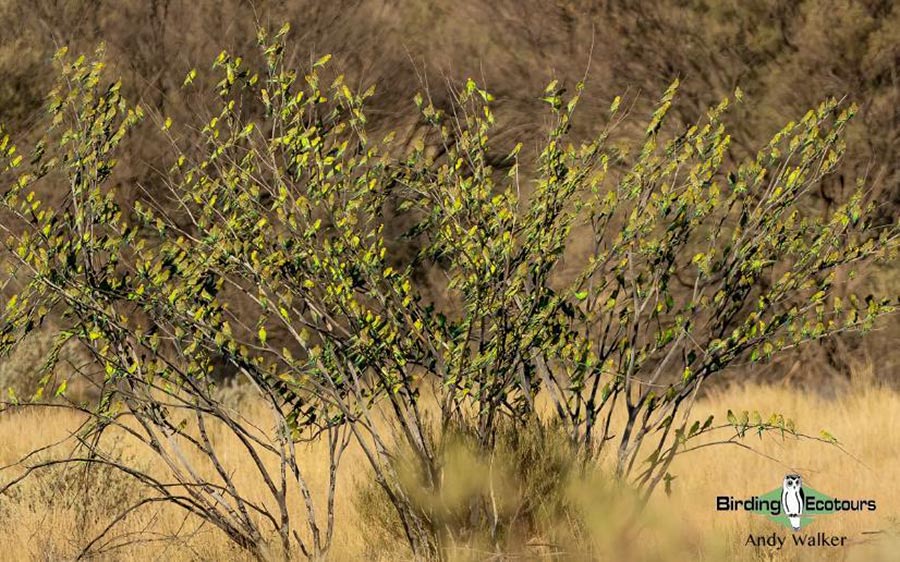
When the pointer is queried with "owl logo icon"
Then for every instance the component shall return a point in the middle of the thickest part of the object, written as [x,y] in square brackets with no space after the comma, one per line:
[792,499]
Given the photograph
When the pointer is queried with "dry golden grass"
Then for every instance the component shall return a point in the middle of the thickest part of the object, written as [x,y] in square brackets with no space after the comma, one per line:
[49,518]
[865,421]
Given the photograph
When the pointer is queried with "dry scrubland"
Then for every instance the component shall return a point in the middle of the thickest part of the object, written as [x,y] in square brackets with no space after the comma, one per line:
[785,55]
[49,519]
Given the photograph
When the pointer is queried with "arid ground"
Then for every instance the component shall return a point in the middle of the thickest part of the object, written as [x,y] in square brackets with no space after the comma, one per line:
[46,520]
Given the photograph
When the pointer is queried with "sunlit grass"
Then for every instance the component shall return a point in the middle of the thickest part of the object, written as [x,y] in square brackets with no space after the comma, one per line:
[52,517]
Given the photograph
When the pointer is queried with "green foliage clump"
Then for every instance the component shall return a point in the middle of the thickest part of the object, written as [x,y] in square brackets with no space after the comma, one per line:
[280,198]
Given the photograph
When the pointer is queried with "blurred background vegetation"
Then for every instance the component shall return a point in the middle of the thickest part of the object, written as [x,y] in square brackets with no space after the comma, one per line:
[786,56]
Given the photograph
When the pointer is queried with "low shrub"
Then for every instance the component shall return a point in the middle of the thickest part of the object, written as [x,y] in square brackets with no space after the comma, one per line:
[277,264]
